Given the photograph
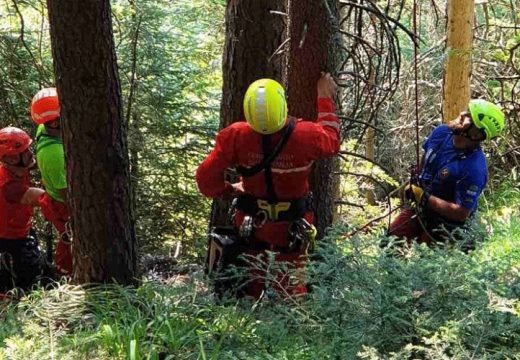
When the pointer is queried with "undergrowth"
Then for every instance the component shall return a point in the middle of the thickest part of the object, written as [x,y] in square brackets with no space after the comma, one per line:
[365,303]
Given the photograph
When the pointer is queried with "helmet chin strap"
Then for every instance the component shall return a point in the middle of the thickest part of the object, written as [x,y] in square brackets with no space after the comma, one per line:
[25,162]
[462,133]
[465,133]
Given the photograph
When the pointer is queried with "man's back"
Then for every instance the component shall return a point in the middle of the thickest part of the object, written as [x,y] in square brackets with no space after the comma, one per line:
[240,145]
[15,218]
[51,162]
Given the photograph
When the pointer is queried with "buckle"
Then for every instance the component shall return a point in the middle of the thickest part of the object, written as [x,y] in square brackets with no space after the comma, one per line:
[246,228]
[273,210]
[260,219]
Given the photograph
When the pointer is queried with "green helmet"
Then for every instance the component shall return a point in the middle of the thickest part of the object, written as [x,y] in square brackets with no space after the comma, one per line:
[487,116]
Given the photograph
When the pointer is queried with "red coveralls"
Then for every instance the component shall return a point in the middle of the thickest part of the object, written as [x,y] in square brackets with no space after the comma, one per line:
[58,213]
[15,218]
[15,223]
[240,145]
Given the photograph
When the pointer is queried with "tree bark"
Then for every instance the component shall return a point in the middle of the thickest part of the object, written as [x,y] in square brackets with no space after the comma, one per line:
[254,33]
[457,73]
[94,134]
[314,47]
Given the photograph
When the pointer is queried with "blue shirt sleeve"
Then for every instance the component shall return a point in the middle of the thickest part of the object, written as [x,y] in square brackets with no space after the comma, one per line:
[469,188]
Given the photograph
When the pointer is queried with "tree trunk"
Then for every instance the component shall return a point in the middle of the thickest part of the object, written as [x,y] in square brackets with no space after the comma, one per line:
[94,134]
[254,32]
[370,139]
[370,154]
[458,64]
[314,48]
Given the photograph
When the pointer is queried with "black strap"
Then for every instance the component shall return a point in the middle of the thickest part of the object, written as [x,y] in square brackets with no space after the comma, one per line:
[268,173]
[268,158]
[249,205]
[42,134]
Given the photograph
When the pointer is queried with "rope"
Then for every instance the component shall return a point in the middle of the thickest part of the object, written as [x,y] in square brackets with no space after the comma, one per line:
[416,83]
[416,75]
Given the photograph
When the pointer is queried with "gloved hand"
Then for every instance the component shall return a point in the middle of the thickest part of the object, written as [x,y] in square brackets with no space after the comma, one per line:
[233,190]
[416,193]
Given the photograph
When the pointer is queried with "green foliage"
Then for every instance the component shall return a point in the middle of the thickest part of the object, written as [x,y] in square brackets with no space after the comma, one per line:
[175,85]
[365,303]
[169,64]
[25,61]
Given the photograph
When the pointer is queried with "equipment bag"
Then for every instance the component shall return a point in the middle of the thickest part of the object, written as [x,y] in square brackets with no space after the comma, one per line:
[224,249]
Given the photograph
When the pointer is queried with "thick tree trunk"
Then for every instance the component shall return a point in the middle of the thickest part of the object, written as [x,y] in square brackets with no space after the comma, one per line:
[313,48]
[95,141]
[254,32]
[458,61]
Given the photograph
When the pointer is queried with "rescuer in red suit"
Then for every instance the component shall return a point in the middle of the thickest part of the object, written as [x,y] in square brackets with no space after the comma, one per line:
[274,154]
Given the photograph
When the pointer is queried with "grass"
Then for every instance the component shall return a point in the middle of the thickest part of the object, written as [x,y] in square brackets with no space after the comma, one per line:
[431,304]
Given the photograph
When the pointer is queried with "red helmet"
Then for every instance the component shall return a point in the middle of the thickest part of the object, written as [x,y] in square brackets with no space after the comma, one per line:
[13,141]
[45,106]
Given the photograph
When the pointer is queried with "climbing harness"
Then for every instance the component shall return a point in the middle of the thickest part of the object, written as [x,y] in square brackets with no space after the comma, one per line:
[303,236]
[259,211]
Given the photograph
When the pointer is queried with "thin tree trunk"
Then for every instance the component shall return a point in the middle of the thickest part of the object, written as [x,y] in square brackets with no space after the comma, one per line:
[254,33]
[94,134]
[313,48]
[457,73]
[370,139]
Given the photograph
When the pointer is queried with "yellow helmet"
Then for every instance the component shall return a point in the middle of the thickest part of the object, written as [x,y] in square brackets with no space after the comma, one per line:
[265,107]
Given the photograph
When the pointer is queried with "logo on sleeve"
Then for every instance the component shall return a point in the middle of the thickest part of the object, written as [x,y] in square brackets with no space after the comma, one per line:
[444,173]
[473,190]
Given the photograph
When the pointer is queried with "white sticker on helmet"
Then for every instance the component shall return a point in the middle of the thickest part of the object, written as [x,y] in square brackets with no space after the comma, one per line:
[261,109]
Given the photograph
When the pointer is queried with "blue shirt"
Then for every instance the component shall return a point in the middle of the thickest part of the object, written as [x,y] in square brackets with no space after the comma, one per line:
[452,174]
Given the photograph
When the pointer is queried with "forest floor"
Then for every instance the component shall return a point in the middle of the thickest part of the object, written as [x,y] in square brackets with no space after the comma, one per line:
[429,304]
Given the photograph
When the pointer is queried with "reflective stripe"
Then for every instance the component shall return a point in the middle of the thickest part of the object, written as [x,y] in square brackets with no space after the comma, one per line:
[261,109]
[333,124]
[43,93]
[292,170]
[45,114]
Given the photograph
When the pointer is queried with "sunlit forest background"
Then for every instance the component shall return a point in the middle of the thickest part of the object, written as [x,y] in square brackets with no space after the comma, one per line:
[435,304]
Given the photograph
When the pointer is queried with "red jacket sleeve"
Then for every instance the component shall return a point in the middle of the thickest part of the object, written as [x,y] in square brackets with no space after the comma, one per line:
[210,174]
[327,135]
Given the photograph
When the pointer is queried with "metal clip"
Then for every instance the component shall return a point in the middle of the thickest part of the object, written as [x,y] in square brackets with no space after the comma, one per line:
[246,228]
[260,219]
[302,234]
[68,235]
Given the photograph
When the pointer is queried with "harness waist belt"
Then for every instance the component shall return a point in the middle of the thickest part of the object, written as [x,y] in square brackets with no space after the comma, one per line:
[278,211]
